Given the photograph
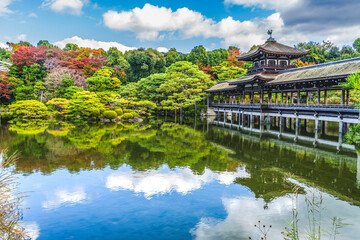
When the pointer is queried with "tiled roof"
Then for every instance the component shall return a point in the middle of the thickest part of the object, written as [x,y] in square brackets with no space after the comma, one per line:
[275,48]
[221,86]
[244,79]
[319,72]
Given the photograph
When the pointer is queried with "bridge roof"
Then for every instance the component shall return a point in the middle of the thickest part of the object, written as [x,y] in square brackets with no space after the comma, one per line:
[338,69]
[333,70]
[222,86]
[273,47]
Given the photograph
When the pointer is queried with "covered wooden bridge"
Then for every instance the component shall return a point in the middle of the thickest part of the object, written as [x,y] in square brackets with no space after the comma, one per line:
[275,91]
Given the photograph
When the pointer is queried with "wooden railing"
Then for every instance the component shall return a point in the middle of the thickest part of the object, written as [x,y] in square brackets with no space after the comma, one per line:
[261,68]
[346,106]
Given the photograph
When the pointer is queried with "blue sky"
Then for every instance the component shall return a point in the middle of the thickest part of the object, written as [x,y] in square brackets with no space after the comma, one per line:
[182,24]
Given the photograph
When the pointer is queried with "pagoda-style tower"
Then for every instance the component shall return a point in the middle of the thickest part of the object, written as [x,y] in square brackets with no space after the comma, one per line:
[271,57]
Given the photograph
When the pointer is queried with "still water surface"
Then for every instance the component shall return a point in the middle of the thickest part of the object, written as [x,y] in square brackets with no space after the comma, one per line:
[171,181]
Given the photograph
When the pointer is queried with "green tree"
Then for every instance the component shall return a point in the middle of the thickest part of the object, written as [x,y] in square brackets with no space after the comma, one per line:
[225,72]
[71,46]
[102,80]
[29,109]
[356,44]
[47,44]
[85,106]
[217,56]
[185,86]
[198,55]
[144,63]
[148,88]
[173,56]
[129,90]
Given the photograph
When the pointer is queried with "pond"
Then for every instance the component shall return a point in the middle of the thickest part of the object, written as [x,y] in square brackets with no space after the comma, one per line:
[164,180]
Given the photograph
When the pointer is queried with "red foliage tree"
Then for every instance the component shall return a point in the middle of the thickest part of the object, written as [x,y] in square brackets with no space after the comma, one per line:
[232,60]
[27,56]
[5,91]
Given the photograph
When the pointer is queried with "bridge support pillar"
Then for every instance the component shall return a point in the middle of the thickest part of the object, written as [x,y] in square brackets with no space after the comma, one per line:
[281,125]
[317,129]
[268,122]
[251,121]
[341,134]
[297,128]
[262,122]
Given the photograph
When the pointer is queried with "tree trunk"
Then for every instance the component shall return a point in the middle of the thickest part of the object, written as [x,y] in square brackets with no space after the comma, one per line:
[195,108]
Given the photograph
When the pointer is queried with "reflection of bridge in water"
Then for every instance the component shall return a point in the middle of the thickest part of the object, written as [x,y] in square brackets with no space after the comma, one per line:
[291,123]
[337,173]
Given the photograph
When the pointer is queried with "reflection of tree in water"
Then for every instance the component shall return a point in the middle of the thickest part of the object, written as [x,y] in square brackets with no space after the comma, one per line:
[179,145]
[90,147]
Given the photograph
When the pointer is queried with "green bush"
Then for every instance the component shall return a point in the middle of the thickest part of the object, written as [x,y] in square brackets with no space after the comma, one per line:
[110,114]
[119,111]
[29,109]
[127,116]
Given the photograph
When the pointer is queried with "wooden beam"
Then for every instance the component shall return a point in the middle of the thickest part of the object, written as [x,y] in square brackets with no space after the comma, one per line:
[298,97]
[286,98]
[347,96]
[318,91]
[343,97]
[292,97]
[325,97]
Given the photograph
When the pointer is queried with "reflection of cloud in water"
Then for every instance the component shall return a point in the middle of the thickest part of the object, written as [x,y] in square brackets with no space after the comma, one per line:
[181,180]
[243,213]
[32,230]
[63,196]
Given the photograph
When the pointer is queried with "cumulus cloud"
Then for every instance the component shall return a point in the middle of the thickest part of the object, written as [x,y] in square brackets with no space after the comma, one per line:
[32,230]
[242,214]
[91,43]
[64,196]
[21,37]
[294,21]
[181,180]
[266,4]
[337,21]
[162,49]
[4,7]
[73,7]
[148,22]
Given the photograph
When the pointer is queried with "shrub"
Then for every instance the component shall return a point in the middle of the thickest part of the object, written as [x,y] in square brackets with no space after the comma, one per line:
[119,111]
[29,109]
[127,116]
[110,114]
[85,105]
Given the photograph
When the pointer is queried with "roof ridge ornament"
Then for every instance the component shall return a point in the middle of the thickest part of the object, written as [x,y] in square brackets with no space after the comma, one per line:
[270,39]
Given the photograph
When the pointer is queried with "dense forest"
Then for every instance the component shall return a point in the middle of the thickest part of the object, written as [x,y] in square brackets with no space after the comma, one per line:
[81,84]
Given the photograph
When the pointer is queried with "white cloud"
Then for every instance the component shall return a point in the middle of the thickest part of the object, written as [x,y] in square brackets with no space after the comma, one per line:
[73,7]
[4,7]
[162,49]
[266,4]
[21,37]
[244,212]
[181,180]
[63,196]
[32,230]
[147,23]
[156,23]
[33,15]
[91,43]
